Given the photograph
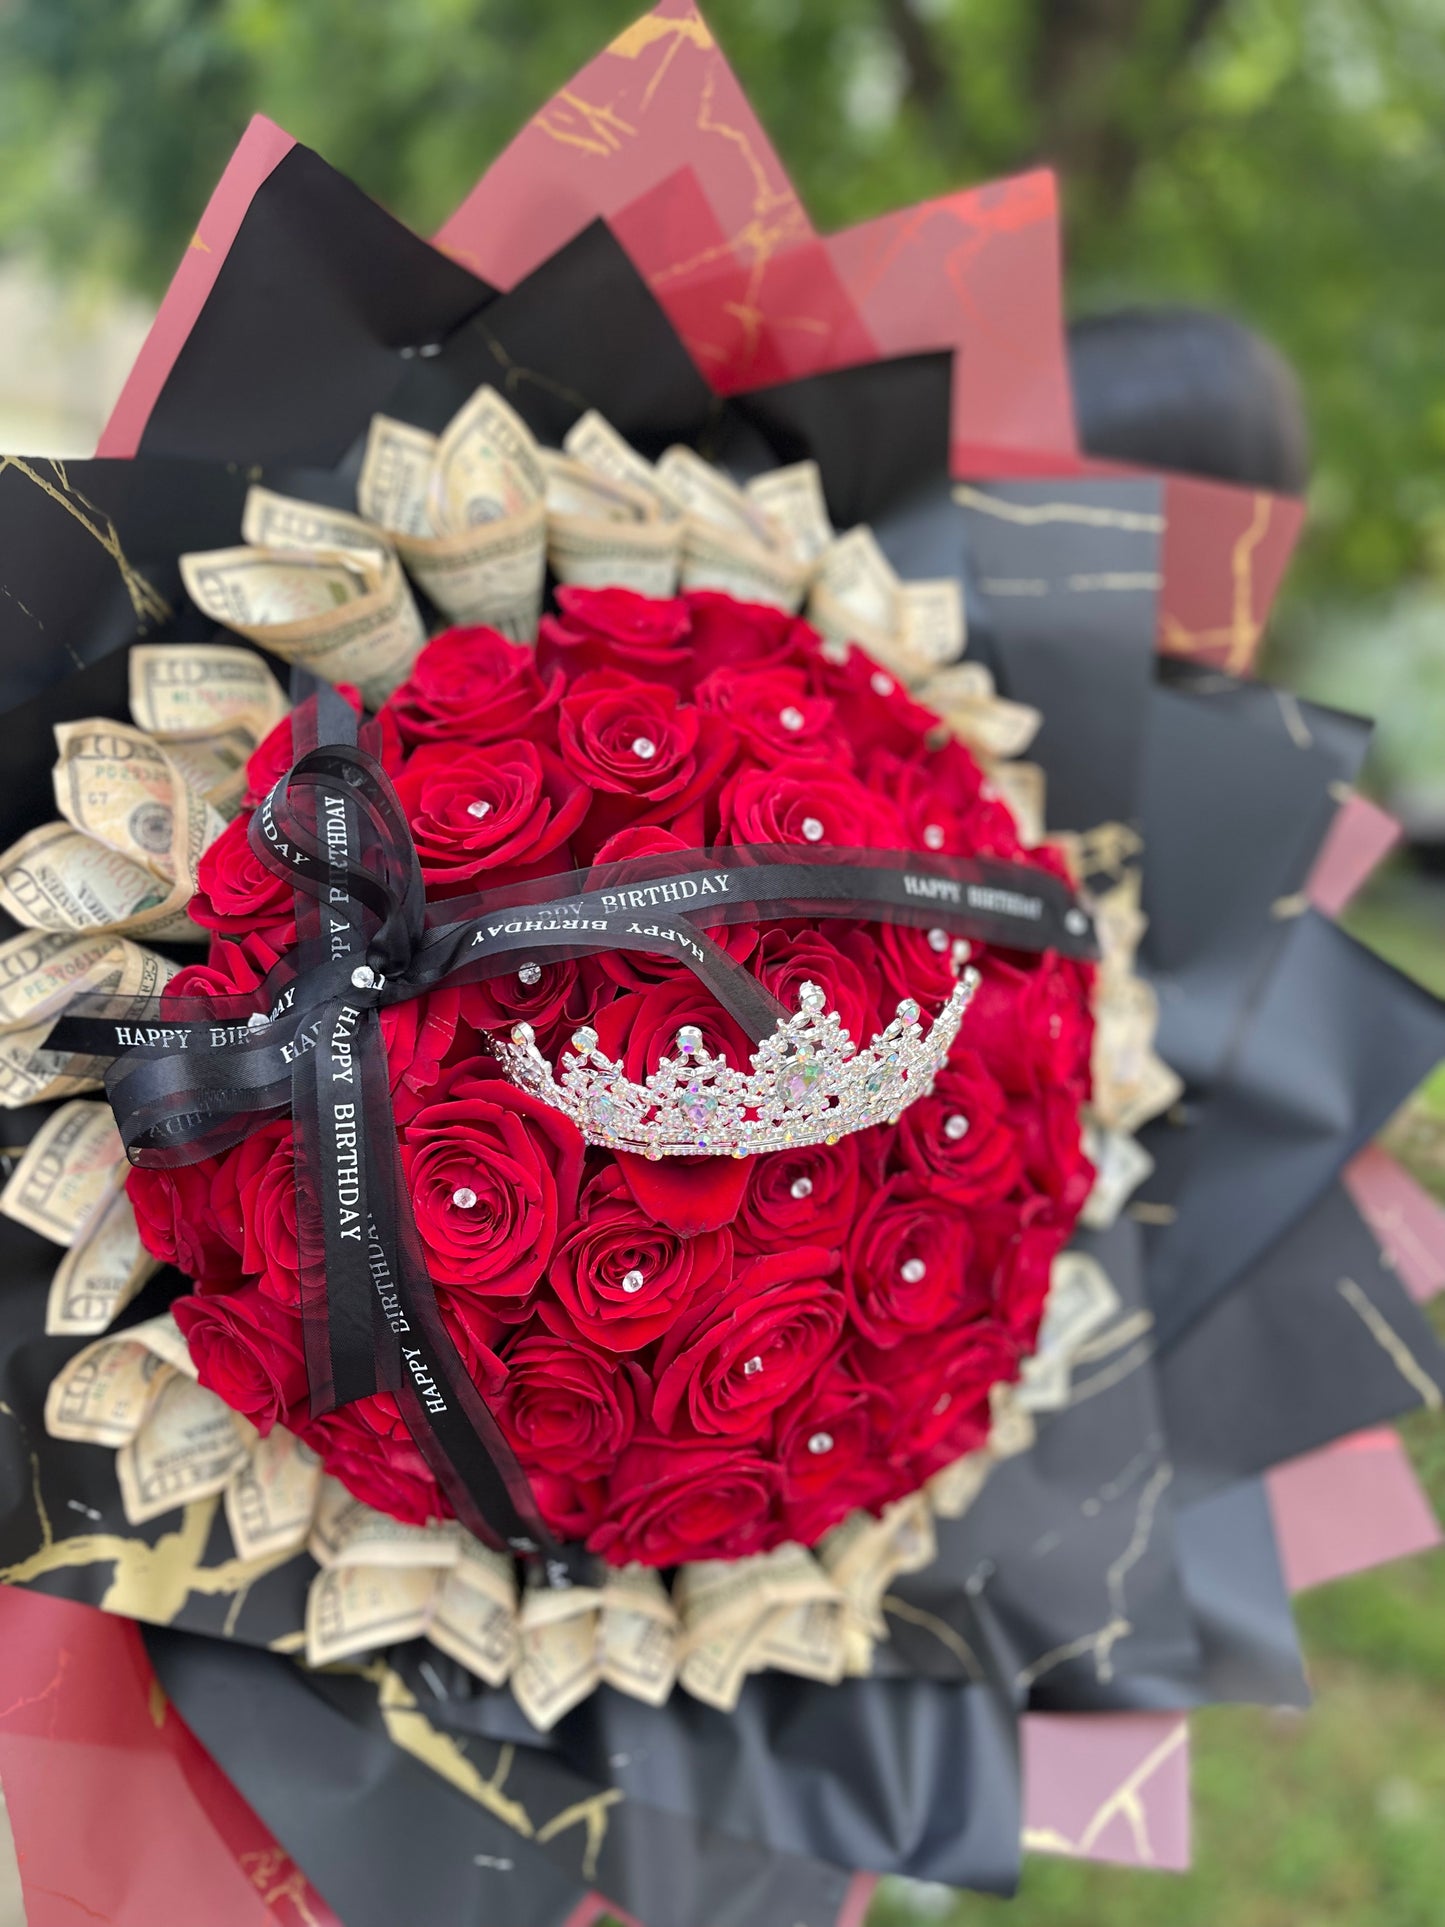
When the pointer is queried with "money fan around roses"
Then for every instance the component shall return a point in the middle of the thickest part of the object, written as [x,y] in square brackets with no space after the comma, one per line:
[690,1189]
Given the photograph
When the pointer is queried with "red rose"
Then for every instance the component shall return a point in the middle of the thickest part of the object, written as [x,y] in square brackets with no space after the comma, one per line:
[789,957]
[476,1332]
[493,1177]
[618,629]
[235,891]
[671,1500]
[368,1447]
[1031,1023]
[918,964]
[957,1140]
[643,750]
[554,1004]
[473,686]
[567,1408]
[908,1264]
[946,804]
[873,708]
[740,1353]
[807,804]
[776,719]
[1018,1248]
[622,1279]
[418,1033]
[505,806]
[939,1384]
[247,1349]
[829,1451]
[571,1507]
[808,1196]
[234,967]
[178,1223]
[727,633]
[1051,1138]
[255,1200]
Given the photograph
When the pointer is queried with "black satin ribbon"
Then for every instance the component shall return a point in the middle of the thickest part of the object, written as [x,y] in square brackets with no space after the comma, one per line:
[193,1075]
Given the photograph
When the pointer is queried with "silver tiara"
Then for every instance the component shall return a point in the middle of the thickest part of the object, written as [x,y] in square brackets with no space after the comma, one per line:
[809,1083]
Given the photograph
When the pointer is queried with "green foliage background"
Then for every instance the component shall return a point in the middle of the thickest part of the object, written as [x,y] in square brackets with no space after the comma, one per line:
[1281,159]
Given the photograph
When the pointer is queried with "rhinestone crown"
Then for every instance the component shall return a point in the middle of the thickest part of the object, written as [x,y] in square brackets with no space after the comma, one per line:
[809,1083]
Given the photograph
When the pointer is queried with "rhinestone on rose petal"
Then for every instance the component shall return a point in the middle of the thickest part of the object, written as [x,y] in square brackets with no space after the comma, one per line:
[792,718]
[464,1198]
[479,809]
[941,1404]
[955,1127]
[258,1020]
[812,829]
[530,973]
[820,1443]
[644,747]
[933,836]
[752,1367]
[689,1039]
[801,1188]
[880,684]
[912,1271]
[633,1281]
[1075,922]
[584,1040]
[364,977]
[938,940]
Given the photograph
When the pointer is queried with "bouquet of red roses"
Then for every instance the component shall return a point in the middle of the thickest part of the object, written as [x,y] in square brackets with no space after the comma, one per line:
[592,1140]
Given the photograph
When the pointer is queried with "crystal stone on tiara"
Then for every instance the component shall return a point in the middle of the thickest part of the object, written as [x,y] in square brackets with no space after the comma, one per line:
[809,1083]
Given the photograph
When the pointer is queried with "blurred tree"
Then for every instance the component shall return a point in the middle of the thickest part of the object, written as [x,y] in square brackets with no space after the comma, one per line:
[1282,159]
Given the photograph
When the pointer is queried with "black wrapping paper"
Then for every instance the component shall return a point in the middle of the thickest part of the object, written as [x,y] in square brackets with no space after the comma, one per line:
[1062,582]
[322,299]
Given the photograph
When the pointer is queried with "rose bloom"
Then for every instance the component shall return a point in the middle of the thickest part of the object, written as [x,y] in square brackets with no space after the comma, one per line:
[908,1266]
[178,1224]
[958,1140]
[831,1449]
[776,719]
[674,1499]
[492,1175]
[728,634]
[807,803]
[738,1354]
[236,893]
[487,815]
[621,1279]
[805,1196]
[618,629]
[248,1350]
[367,1447]
[567,1408]
[471,686]
[648,755]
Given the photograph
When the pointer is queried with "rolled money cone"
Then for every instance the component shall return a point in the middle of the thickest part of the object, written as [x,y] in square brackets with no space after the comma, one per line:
[603,533]
[466,510]
[57,878]
[271,1501]
[100,1274]
[189,1445]
[346,615]
[593,442]
[356,1609]
[68,1172]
